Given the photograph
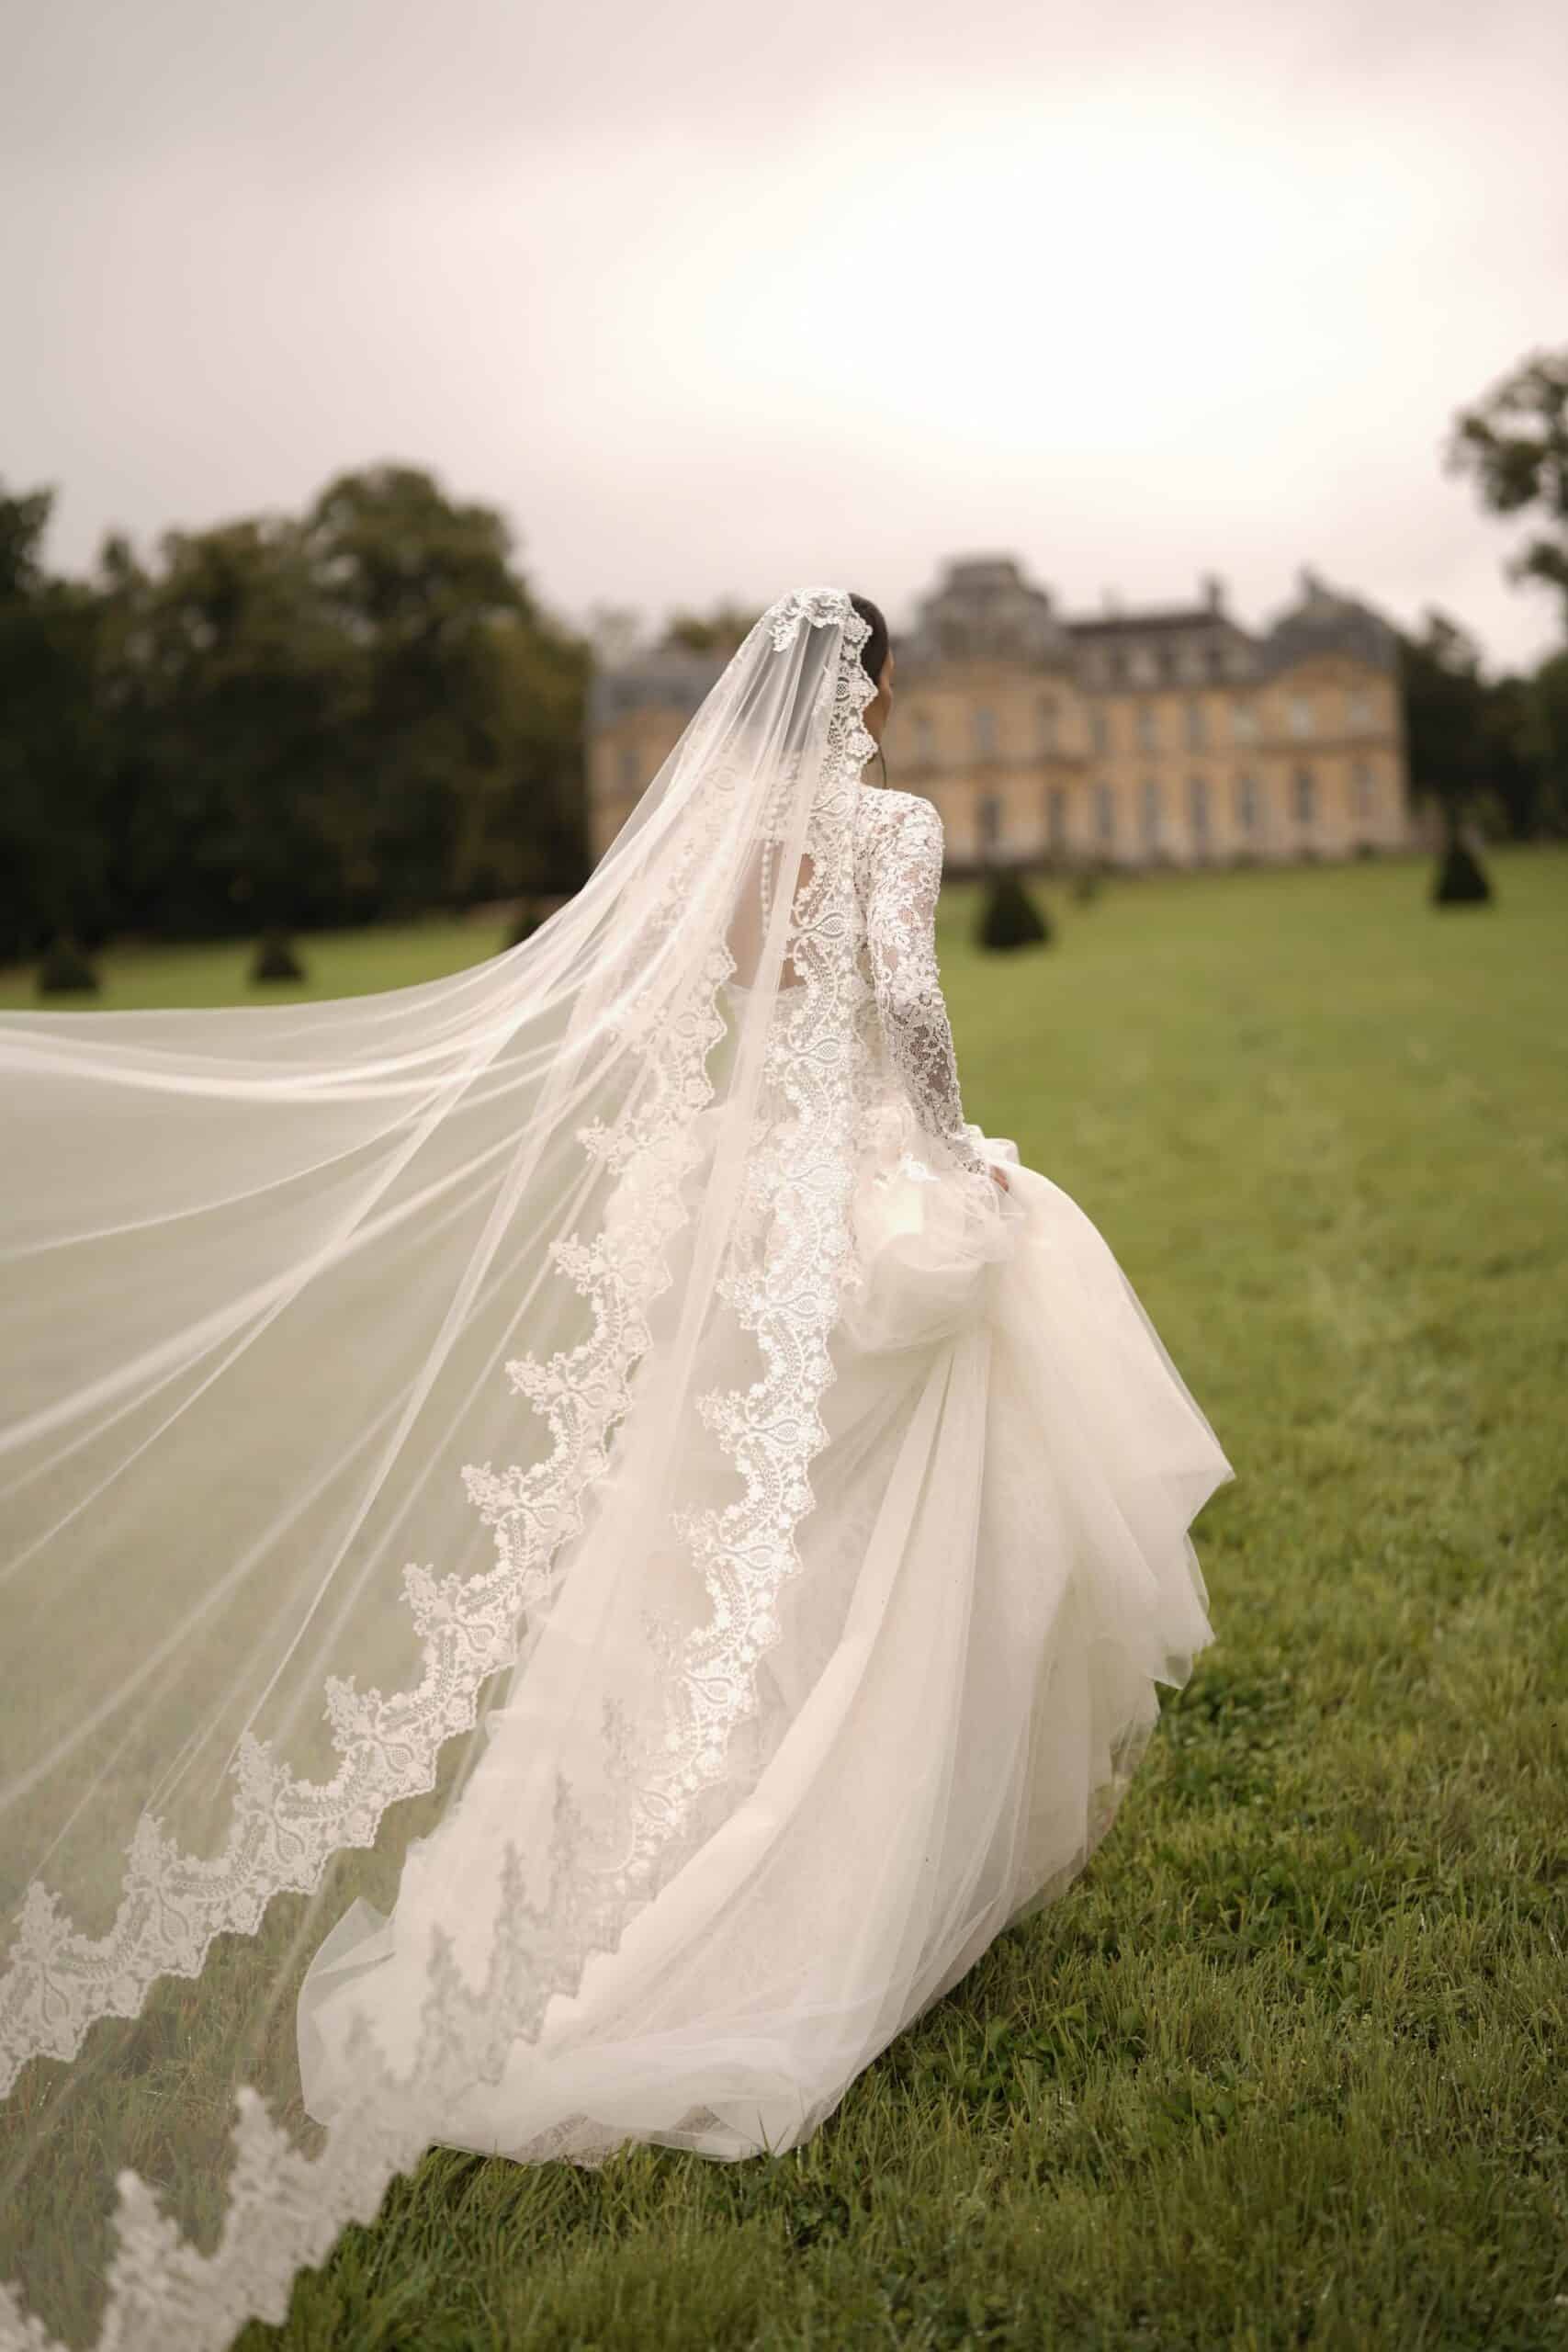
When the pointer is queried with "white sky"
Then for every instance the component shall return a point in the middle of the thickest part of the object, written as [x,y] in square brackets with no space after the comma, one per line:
[722,300]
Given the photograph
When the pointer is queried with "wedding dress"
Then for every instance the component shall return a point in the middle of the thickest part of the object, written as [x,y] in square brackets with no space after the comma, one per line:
[840,1545]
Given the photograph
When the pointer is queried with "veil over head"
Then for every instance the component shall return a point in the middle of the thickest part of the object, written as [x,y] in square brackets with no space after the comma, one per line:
[390,1385]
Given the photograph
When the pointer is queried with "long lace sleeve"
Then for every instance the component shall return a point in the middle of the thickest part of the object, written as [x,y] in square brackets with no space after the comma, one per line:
[901,939]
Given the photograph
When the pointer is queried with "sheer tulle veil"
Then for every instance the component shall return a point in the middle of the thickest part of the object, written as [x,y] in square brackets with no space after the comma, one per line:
[380,1376]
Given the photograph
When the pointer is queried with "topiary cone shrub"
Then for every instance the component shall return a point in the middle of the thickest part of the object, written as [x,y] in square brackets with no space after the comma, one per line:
[276,958]
[1460,879]
[1009,916]
[64,970]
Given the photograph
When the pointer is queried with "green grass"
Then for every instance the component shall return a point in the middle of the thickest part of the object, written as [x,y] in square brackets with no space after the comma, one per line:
[337,963]
[1286,2066]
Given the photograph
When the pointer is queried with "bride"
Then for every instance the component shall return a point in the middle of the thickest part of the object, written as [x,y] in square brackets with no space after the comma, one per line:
[801,1500]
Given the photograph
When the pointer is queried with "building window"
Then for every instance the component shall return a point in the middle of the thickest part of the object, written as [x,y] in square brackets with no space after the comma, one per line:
[1195,737]
[1148,728]
[1198,812]
[1151,814]
[1247,804]
[1216,654]
[1298,713]
[1104,814]
[1142,665]
[1303,797]
[1359,711]
[984,732]
[1099,723]
[1244,722]
[1056,817]
[988,821]
[1046,720]
[630,768]
[1364,788]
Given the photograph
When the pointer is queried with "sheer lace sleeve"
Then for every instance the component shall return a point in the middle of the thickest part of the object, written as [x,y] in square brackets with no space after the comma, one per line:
[901,938]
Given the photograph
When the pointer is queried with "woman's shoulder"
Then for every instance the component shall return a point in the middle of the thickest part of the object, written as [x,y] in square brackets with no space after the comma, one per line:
[910,815]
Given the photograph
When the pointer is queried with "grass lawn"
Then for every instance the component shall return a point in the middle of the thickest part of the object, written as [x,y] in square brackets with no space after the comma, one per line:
[1287,2065]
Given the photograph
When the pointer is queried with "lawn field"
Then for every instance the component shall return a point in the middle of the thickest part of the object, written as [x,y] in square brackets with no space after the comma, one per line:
[1289,2065]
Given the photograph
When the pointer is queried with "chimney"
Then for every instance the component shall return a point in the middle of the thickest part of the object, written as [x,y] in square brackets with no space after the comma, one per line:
[1214,591]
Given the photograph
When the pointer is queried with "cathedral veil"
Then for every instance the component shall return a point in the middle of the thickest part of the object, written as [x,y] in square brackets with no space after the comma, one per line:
[408,1406]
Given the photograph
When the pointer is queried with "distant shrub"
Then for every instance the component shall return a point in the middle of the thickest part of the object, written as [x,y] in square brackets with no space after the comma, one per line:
[1460,879]
[1087,883]
[64,970]
[525,925]
[276,958]
[1009,916]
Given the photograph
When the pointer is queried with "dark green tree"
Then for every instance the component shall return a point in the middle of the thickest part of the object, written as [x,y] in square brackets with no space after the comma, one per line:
[53,770]
[721,631]
[1513,444]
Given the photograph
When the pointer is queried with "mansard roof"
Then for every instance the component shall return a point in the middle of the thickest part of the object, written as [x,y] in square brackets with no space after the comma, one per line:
[986,608]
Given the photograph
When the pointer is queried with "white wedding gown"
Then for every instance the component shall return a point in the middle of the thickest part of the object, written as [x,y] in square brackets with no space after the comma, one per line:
[995,1574]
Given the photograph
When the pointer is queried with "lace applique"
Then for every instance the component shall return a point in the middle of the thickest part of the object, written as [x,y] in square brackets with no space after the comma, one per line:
[901,846]
[816,607]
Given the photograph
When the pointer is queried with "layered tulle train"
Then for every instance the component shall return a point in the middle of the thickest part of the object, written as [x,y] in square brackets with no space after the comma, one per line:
[995,1576]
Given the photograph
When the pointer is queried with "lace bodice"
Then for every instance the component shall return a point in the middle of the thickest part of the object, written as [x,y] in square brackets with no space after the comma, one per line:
[898,848]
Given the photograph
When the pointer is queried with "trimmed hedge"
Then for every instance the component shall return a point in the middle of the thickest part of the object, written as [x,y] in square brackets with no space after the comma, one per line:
[1010,917]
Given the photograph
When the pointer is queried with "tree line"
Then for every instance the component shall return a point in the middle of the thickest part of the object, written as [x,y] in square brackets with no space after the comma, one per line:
[283,722]
[364,713]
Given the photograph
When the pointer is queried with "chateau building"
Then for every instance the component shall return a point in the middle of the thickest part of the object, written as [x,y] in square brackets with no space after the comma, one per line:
[1169,736]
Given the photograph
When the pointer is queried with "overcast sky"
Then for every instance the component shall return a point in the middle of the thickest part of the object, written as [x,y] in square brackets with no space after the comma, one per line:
[724,299]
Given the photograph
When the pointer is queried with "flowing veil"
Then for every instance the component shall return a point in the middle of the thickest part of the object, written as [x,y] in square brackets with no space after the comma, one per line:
[409,1411]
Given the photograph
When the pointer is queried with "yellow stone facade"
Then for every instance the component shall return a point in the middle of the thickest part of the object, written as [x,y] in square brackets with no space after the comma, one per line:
[1172,736]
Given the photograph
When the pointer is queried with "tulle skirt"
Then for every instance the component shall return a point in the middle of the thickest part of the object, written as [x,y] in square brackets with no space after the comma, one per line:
[995,1576]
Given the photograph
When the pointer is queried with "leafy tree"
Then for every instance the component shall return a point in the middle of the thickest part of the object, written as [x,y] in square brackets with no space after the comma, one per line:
[721,631]
[467,754]
[251,685]
[280,721]
[53,773]
[1445,714]
[1514,444]
[1545,731]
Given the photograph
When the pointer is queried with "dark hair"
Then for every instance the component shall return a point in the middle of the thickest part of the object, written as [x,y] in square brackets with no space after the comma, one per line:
[873,652]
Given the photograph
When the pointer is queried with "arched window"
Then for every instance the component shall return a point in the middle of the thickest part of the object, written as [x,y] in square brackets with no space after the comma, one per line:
[1148,728]
[1056,817]
[984,732]
[988,820]
[1045,724]
[1152,814]
[1198,812]
[1298,712]
[1247,808]
[1195,726]
[1303,796]
[1100,725]
[1244,722]
[1104,814]
[1364,786]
